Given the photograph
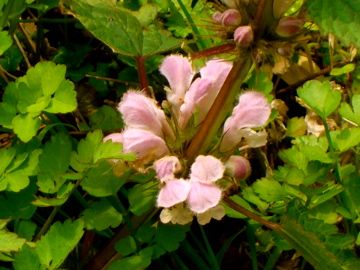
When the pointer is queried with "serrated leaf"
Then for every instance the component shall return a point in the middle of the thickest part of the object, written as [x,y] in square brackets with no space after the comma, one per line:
[125,246]
[158,41]
[61,197]
[26,229]
[102,17]
[142,197]
[26,126]
[27,259]
[101,215]
[269,190]
[10,241]
[136,262]
[337,17]
[320,97]
[6,157]
[105,118]
[58,242]
[168,237]
[5,41]
[351,113]
[111,150]
[100,180]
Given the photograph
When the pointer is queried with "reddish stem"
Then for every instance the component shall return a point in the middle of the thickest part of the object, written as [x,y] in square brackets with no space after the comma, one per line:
[214,50]
[144,85]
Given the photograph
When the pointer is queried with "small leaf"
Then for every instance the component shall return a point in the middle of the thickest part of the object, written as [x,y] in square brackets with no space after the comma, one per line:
[342,70]
[27,259]
[58,242]
[5,41]
[125,246]
[106,118]
[136,262]
[320,97]
[101,215]
[111,150]
[168,237]
[351,113]
[158,41]
[269,190]
[64,99]
[346,138]
[26,126]
[295,127]
[142,197]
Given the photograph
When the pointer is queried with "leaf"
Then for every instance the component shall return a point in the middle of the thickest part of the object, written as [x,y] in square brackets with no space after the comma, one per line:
[100,180]
[269,190]
[6,156]
[26,229]
[346,138]
[58,242]
[101,215]
[102,17]
[125,246]
[320,97]
[27,259]
[142,197]
[342,70]
[111,150]
[64,99]
[136,262]
[168,237]
[106,118]
[26,126]
[337,17]
[351,113]
[10,241]
[5,41]
[158,41]
[295,127]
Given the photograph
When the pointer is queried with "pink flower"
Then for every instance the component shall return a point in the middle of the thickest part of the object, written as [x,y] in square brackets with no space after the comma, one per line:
[167,167]
[199,192]
[252,111]
[179,73]
[146,145]
[139,111]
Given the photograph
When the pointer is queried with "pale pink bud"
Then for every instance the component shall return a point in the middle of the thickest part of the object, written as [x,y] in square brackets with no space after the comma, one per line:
[167,167]
[252,111]
[238,167]
[173,192]
[244,36]
[204,90]
[230,17]
[179,73]
[145,144]
[139,111]
[289,26]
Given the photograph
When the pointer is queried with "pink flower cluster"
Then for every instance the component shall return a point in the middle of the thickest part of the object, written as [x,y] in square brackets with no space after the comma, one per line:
[158,140]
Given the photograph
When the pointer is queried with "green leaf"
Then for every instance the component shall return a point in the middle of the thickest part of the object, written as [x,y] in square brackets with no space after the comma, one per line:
[101,215]
[337,17]
[26,126]
[158,41]
[102,17]
[26,229]
[6,156]
[351,113]
[64,99]
[106,118]
[10,241]
[346,138]
[142,197]
[125,246]
[320,97]
[27,259]
[269,190]
[5,41]
[261,81]
[58,242]
[100,180]
[111,150]
[168,237]
[342,70]
[136,262]
[62,195]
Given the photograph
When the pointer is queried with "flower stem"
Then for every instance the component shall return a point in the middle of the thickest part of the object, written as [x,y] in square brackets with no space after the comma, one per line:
[144,85]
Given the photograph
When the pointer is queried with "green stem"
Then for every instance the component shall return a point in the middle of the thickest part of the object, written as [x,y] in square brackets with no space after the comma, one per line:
[211,256]
[195,30]
[333,152]
[273,258]
[47,223]
[251,240]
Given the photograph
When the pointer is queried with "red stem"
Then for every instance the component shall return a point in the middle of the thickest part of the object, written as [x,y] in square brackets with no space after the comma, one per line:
[144,84]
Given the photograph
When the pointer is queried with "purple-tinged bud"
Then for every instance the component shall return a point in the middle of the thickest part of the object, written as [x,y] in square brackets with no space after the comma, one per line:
[244,36]
[238,167]
[289,26]
[230,17]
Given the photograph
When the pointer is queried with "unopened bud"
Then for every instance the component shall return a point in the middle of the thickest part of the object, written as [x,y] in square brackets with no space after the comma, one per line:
[238,167]
[289,26]
[244,36]
[230,17]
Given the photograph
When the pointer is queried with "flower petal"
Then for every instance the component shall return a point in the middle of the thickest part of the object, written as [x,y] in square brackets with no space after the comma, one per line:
[139,111]
[167,167]
[179,73]
[173,192]
[146,145]
[206,169]
[217,212]
[203,197]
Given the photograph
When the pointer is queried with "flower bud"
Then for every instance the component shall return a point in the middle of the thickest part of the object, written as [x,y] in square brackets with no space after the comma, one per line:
[230,17]
[289,26]
[244,36]
[238,167]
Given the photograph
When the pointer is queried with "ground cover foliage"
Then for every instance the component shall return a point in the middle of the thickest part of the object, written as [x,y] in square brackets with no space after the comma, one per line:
[71,200]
